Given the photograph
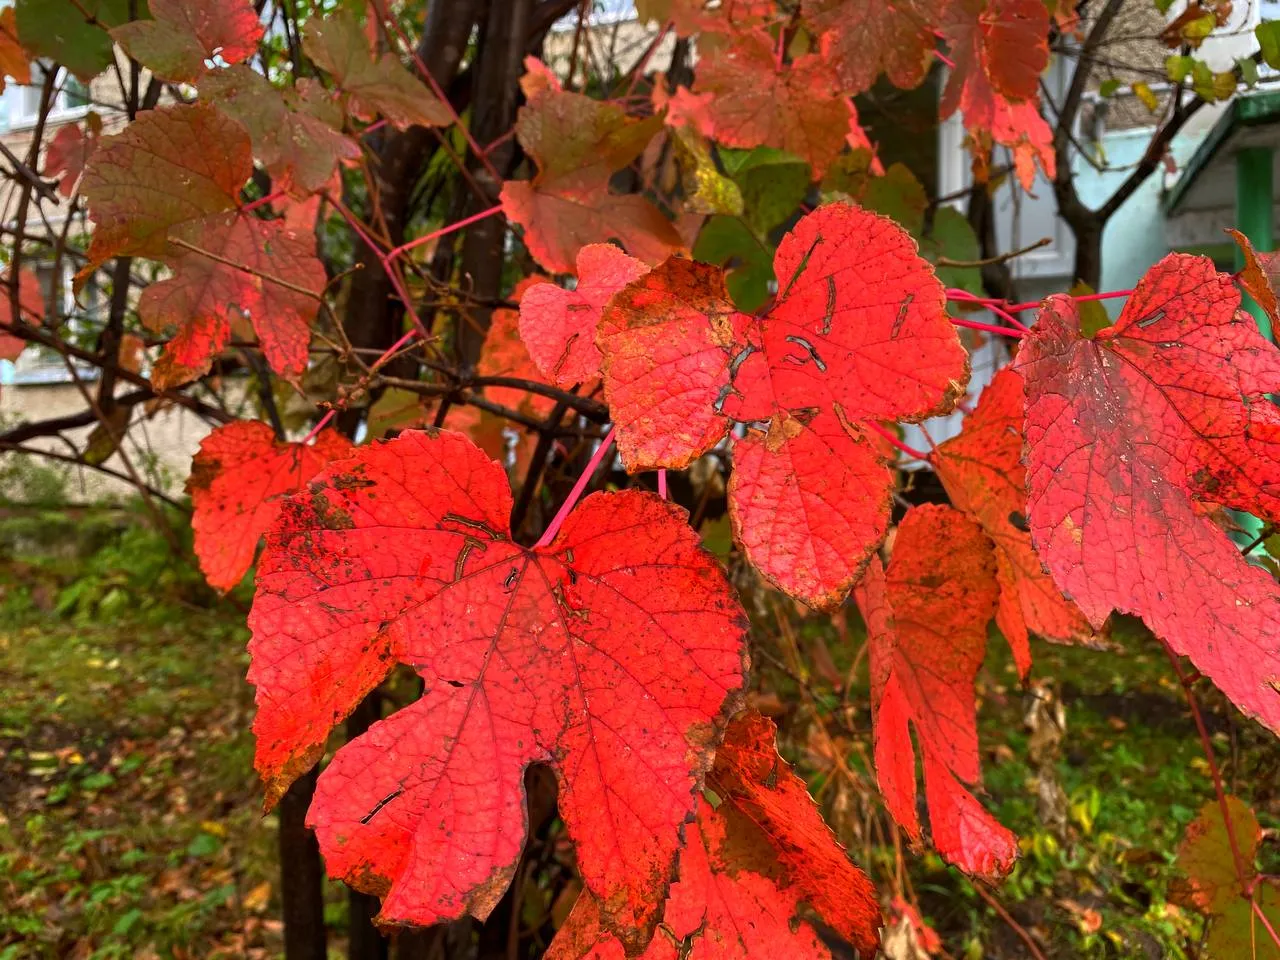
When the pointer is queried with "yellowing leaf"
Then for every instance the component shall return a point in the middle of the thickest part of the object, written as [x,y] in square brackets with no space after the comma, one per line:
[382,86]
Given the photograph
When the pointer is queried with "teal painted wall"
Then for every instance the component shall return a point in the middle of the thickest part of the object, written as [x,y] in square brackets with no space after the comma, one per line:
[1135,236]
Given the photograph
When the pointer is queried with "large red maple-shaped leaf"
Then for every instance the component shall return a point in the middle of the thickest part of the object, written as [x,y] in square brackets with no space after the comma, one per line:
[239,478]
[228,270]
[159,172]
[30,308]
[559,326]
[754,856]
[186,33]
[927,621]
[859,333]
[983,474]
[864,39]
[1123,430]
[578,143]
[1000,48]
[793,107]
[610,654]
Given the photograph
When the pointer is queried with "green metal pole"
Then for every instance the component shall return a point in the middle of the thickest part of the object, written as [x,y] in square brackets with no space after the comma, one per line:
[1254,213]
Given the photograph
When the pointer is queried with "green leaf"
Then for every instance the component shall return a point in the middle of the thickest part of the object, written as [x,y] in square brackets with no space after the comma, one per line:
[204,845]
[1109,87]
[1212,887]
[63,31]
[1179,67]
[772,183]
[1248,71]
[952,237]
[106,436]
[126,922]
[1162,6]
[728,242]
[900,196]
[1212,86]
[1268,34]
[1093,315]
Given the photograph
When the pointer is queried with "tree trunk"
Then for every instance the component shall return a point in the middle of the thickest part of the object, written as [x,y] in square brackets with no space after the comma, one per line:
[301,874]
[1088,267]
[499,65]
[374,316]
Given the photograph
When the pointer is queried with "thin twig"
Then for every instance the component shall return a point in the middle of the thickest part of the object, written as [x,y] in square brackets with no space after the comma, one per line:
[1007,917]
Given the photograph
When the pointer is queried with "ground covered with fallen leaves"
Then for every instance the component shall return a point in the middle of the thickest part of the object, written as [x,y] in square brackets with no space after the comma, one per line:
[129,813]
[130,818]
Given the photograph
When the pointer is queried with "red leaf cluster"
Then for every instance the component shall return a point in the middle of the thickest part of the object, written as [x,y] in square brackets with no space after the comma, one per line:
[239,479]
[610,654]
[577,143]
[758,849]
[926,617]
[1001,47]
[982,472]
[858,333]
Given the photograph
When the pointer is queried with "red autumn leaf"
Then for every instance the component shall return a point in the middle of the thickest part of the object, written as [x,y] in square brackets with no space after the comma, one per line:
[857,139]
[504,354]
[30,307]
[927,621]
[69,152]
[793,107]
[684,108]
[186,33]
[858,333]
[1123,430]
[239,479]
[748,863]
[1259,276]
[374,86]
[274,286]
[559,325]
[863,39]
[578,143]
[983,474]
[610,654]
[168,145]
[1001,47]
[295,132]
[14,60]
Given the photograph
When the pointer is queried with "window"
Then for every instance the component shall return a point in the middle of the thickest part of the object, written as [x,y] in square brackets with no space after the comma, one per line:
[71,99]
[83,313]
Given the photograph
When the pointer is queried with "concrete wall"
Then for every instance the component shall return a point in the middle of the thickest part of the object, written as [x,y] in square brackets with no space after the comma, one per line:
[160,442]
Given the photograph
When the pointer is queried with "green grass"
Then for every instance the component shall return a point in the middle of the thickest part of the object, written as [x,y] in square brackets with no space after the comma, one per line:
[1131,767]
[130,823]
